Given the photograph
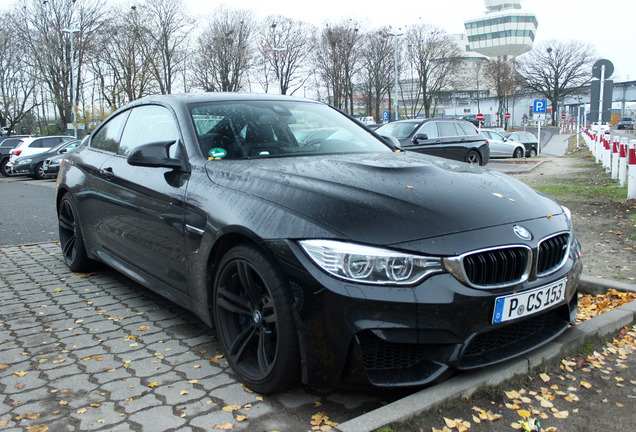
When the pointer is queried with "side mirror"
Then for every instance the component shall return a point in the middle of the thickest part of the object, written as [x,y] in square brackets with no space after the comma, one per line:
[154,155]
[418,137]
[62,151]
[392,140]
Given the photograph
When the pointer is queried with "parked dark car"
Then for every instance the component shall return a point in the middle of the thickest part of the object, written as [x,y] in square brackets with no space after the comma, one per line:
[625,123]
[33,165]
[341,260]
[447,138]
[529,141]
[7,144]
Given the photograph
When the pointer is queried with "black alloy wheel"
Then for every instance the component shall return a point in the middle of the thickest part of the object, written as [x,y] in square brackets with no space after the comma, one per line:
[254,321]
[71,239]
[473,158]
[518,153]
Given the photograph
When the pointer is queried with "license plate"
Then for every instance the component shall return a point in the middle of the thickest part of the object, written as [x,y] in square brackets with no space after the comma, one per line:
[519,305]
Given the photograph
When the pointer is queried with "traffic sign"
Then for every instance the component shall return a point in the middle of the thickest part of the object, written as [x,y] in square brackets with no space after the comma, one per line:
[563,116]
[385,116]
[507,115]
[480,117]
[598,68]
[540,105]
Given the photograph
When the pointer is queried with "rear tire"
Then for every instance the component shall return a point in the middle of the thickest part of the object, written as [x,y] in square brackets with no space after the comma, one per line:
[254,321]
[71,239]
[473,158]
[518,153]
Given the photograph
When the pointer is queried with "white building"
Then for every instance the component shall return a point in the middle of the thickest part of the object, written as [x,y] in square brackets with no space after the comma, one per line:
[503,31]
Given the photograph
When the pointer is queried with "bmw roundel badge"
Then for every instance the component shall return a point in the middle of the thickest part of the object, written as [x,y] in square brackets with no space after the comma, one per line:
[522,233]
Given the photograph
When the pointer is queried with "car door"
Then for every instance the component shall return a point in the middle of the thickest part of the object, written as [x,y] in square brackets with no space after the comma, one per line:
[432,145]
[496,143]
[143,207]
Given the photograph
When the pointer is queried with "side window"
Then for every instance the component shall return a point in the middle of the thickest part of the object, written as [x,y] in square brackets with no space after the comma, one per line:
[108,136]
[148,124]
[49,142]
[430,129]
[467,129]
[447,129]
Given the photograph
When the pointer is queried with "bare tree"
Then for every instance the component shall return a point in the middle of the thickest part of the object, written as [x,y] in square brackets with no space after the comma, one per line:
[121,68]
[169,27]
[557,69]
[44,28]
[285,46]
[504,79]
[377,71]
[224,51]
[434,56]
[337,62]
[17,77]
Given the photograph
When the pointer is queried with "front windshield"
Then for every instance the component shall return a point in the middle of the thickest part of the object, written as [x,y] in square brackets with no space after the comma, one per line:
[251,129]
[399,130]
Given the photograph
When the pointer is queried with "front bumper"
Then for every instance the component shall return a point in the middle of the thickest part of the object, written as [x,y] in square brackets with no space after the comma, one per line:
[405,336]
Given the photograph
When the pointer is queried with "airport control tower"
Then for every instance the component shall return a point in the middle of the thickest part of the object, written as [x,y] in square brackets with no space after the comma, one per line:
[505,30]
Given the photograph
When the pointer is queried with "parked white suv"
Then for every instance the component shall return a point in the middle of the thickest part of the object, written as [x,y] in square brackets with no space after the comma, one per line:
[35,145]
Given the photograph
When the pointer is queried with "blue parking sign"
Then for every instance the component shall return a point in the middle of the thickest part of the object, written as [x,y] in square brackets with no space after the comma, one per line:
[540,105]
[385,116]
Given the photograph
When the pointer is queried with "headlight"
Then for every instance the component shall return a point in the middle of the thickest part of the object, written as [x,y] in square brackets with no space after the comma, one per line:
[22,162]
[568,215]
[370,265]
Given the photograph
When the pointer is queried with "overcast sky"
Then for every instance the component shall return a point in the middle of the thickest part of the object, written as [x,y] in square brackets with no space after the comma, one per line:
[611,30]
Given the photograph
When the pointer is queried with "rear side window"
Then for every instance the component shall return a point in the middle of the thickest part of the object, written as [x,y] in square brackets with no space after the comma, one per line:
[49,142]
[107,138]
[147,124]
[11,142]
[467,128]
[447,129]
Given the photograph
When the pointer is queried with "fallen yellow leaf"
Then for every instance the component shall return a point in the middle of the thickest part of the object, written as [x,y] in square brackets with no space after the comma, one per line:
[153,384]
[524,413]
[225,426]
[230,408]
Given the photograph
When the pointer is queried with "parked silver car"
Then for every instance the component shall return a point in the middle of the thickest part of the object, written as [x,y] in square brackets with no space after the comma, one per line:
[501,147]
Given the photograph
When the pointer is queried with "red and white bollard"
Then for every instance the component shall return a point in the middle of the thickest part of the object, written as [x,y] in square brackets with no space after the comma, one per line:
[622,165]
[631,173]
[615,144]
[607,155]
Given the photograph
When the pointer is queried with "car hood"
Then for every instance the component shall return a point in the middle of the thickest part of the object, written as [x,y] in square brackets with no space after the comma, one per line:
[386,198]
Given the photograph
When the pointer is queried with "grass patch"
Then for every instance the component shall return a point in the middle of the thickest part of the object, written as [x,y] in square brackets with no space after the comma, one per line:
[610,192]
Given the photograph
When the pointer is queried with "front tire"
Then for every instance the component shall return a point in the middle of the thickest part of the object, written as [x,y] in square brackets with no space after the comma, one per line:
[71,239]
[4,170]
[533,152]
[254,320]
[38,172]
[518,154]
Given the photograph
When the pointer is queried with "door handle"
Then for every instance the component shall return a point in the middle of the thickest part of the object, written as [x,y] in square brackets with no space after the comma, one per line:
[107,173]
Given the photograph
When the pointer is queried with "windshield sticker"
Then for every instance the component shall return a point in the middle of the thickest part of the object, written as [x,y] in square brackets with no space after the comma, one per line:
[217,153]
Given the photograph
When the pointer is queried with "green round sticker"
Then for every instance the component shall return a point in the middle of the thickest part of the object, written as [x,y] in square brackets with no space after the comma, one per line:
[218,153]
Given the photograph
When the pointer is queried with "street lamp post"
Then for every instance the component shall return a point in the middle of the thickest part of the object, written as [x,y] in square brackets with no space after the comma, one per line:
[71,32]
[396,102]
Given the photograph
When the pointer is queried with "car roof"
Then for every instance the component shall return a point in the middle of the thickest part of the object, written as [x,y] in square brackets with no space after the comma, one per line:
[29,140]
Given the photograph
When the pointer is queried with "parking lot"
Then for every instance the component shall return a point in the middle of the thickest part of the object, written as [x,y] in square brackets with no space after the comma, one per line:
[99,352]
